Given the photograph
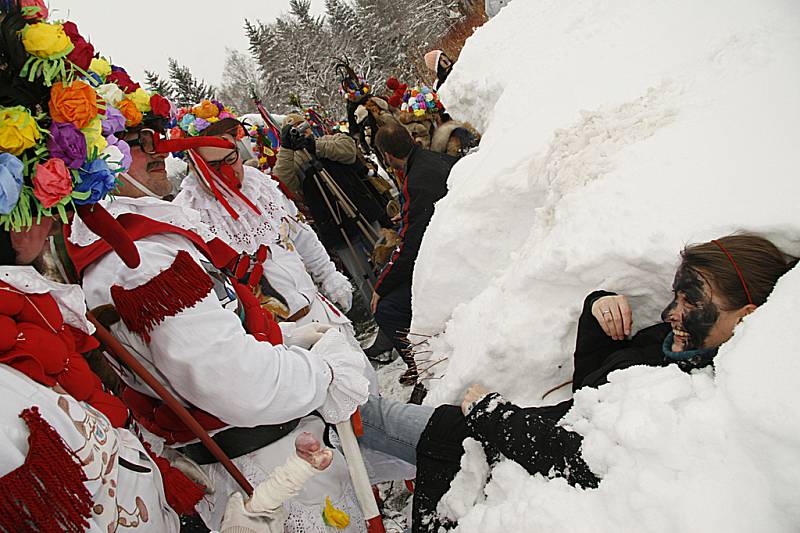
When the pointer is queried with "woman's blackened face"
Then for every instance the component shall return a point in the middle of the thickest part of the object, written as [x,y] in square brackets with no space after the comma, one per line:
[697,314]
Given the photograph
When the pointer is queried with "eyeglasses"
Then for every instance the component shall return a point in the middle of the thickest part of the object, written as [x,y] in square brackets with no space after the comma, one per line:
[145,139]
[230,159]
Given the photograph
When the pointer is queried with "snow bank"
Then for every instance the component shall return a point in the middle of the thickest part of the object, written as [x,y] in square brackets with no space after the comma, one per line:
[614,133]
[677,452]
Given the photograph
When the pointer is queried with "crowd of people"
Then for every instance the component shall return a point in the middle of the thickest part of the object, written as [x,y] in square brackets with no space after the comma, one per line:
[226,361]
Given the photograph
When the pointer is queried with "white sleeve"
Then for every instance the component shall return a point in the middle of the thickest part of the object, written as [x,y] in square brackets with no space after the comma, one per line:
[206,356]
[316,259]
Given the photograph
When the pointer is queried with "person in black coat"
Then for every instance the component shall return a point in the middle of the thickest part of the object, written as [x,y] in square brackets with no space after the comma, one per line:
[716,285]
[424,182]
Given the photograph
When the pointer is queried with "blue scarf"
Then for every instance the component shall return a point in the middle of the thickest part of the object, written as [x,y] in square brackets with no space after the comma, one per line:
[694,355]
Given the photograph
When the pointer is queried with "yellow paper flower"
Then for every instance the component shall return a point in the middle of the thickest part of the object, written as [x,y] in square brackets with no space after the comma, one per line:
[333,517]
[141,99]
[205,109]
[100,66]
[18,130]
[94,136]
[47,41]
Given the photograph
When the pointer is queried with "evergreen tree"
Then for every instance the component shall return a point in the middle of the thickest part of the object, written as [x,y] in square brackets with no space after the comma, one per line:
[187,90]
[154,82]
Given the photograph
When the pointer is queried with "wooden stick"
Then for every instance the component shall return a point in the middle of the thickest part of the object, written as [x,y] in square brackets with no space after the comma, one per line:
[122,355]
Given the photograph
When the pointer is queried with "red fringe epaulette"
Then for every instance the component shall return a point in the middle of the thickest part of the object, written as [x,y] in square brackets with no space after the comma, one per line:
[177,288]
[47,493]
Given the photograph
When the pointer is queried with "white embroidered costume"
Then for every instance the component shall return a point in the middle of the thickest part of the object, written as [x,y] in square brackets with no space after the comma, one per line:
[205,356]
[125,485]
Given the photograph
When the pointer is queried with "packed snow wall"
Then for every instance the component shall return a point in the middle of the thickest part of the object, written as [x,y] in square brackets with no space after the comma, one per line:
[615,133]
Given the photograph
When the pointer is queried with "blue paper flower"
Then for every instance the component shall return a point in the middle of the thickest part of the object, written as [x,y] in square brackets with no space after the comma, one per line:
[10,182]
[97,179]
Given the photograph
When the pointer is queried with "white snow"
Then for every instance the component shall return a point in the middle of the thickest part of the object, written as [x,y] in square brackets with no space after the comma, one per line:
[613,134]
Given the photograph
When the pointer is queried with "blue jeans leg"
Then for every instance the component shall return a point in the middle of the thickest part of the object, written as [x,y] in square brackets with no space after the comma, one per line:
[394,427]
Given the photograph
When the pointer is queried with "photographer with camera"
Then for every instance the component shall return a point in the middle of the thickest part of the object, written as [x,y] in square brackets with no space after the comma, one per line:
[300,163]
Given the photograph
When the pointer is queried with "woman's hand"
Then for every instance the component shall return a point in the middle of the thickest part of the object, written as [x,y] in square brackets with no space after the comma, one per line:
[614,315]
[474,393]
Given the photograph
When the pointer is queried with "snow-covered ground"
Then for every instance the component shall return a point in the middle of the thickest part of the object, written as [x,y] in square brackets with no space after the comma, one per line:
[614,133]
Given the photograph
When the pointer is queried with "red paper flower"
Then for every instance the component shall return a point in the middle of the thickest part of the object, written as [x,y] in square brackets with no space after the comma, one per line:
[160,106]
[122,79]
[83,52]
[52,182]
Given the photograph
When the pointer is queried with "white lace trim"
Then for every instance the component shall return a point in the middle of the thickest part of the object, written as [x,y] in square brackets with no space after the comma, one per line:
[68,297]
[153,208]
[349,388]
[306,519]
[250,230]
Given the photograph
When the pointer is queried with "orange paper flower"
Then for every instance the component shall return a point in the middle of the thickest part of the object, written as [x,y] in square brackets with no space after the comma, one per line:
[205,109]
[133,117]
[75,103]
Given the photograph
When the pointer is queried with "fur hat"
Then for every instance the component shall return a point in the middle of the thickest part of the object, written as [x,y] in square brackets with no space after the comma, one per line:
[432,60]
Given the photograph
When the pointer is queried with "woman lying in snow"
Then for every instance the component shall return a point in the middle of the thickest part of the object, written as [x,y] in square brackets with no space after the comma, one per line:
[716,285]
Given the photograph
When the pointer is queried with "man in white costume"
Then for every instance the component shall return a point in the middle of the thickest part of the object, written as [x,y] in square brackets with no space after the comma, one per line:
[187,313]
[296,262]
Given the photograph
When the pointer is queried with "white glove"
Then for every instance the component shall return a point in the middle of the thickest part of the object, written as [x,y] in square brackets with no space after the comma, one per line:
[338,289]
[349,388]
[237,519]
[303,336]
[264,511]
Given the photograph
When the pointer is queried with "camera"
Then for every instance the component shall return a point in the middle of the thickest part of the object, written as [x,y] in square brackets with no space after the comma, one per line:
[299,131]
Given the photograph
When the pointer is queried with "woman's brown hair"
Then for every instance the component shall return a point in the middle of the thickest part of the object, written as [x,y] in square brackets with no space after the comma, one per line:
[759,262]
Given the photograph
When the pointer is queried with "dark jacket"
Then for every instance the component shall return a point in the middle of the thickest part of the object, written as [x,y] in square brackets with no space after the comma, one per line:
[351,178]
[425,183]
[531,436]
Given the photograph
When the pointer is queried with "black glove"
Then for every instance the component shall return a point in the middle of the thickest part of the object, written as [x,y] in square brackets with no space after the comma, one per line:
[287,139]
[310,144]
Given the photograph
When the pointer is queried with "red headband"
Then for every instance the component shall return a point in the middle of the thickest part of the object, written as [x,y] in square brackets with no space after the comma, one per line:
[736,267]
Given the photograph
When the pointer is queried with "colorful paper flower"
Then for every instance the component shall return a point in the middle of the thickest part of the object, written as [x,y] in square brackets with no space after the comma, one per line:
[111,93]
[121,78]
[205,109]
[67,143]
[201,124]
[75,103]
[10,182]
[34,9]
[52,182]
[160,106]
[95,142]
[334,517]
[114,157]
[133,117]
[141,98]
[113,121]
[96,179]
[123,148]
[46,41]
[18,130]
[100,66]
[82,51]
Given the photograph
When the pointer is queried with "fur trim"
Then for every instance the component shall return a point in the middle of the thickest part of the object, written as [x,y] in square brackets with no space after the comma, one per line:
[442,134]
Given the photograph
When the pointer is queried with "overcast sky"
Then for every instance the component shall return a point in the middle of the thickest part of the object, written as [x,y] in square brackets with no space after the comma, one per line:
[142,34]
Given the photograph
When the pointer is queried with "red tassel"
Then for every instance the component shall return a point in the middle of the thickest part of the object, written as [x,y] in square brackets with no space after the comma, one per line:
[47,493]
[182,493]
[177,288]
